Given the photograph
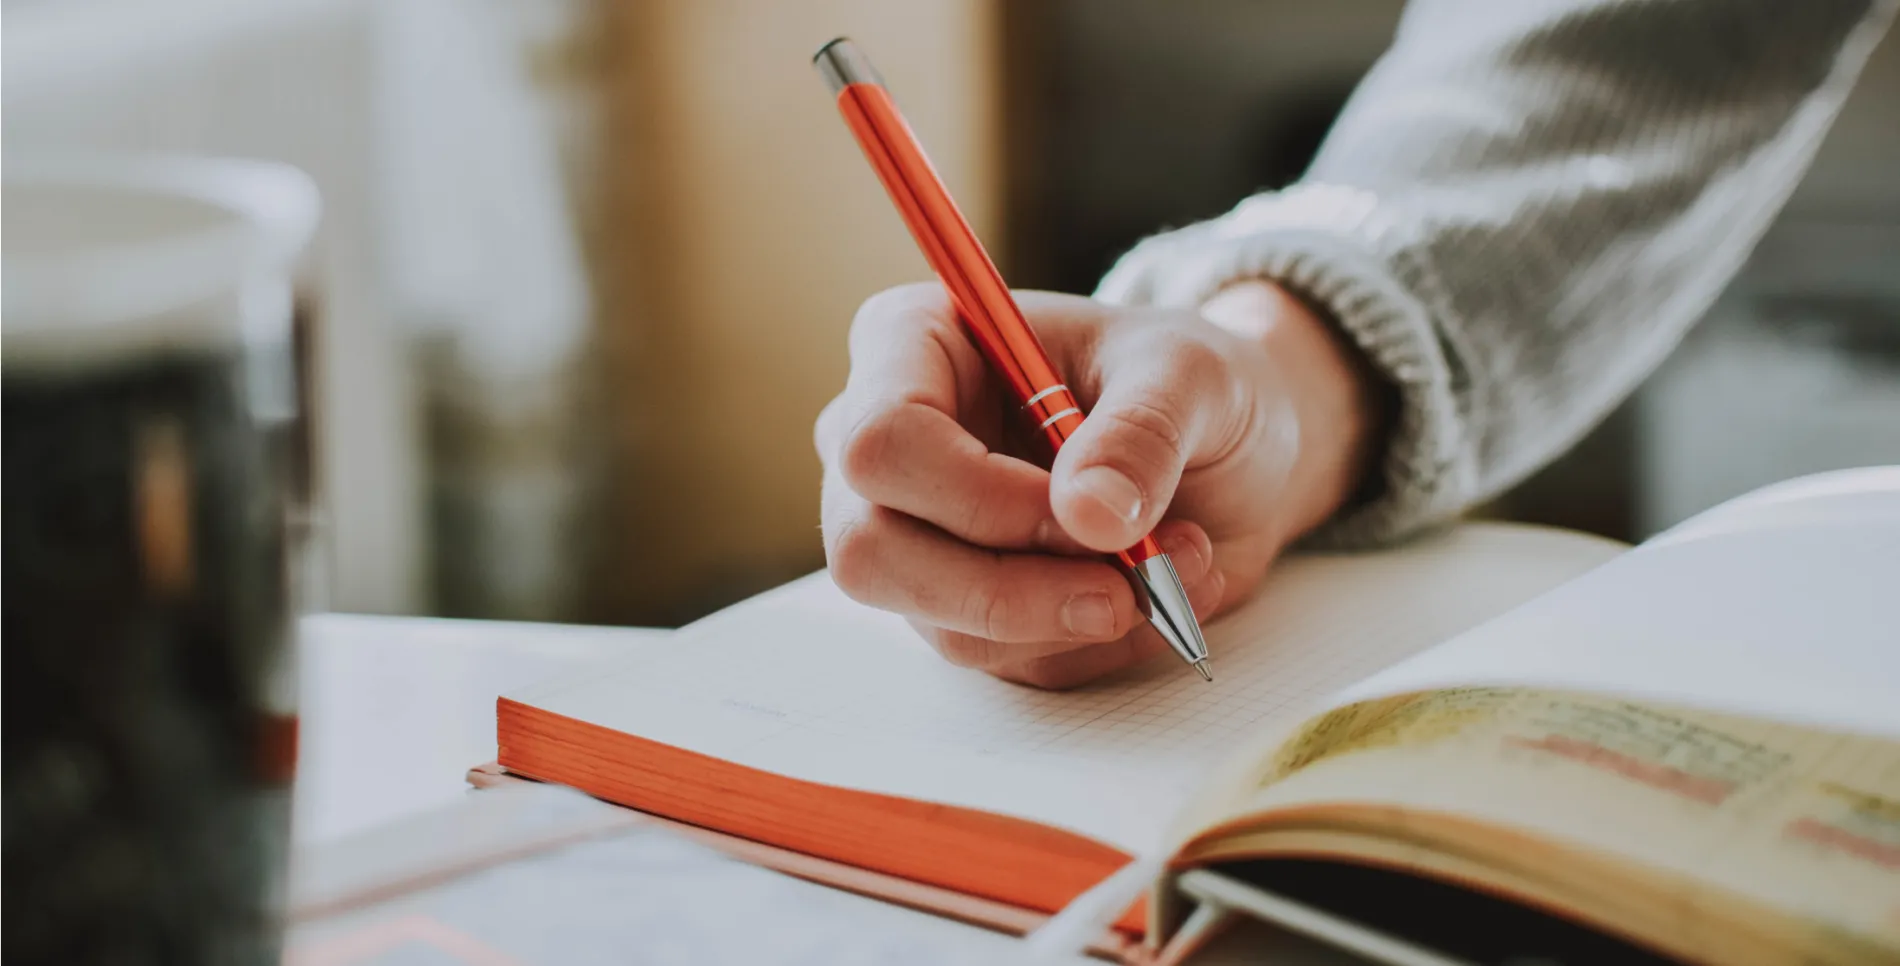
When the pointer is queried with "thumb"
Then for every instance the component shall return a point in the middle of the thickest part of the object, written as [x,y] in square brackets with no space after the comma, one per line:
[1113,479]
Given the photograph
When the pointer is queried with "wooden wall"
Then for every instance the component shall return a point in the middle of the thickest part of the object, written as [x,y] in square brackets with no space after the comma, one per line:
[742,230]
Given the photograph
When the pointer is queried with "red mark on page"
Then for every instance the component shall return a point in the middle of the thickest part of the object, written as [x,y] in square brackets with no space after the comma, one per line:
[1709,791]
[1833,837]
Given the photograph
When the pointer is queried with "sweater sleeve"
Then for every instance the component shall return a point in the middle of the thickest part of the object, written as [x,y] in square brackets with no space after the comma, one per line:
[1522,209]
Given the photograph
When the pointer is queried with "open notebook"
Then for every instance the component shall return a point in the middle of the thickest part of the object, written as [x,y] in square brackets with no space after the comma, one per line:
[1661,744]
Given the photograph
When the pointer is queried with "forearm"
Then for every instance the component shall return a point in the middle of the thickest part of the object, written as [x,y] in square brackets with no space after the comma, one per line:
[1520,213]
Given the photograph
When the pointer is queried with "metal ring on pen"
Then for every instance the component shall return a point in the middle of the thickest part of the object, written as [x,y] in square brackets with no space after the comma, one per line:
[1046,393]
[1069,411]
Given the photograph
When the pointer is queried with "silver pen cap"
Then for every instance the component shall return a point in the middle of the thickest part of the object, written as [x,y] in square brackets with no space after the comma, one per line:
[842,65]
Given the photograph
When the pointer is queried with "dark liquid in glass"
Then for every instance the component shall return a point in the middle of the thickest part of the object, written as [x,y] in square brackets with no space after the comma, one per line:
[146,623]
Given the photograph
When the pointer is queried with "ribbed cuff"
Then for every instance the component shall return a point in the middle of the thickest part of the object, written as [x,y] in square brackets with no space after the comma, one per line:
[1337,248]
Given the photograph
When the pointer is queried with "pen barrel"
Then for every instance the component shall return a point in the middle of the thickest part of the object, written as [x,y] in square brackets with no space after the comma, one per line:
[1134,555]
[989,314]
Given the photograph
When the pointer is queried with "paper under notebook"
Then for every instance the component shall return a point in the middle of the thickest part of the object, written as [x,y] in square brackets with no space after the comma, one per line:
[1691,745]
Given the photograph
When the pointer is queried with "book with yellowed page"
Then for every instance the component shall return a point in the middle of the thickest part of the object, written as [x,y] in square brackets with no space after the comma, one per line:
[1689,749]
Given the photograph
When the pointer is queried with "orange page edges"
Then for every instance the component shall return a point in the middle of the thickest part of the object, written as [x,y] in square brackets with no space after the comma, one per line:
[969,851]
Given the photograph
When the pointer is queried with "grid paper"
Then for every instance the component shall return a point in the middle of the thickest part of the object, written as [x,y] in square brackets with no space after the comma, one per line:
[823,666]
[802,682]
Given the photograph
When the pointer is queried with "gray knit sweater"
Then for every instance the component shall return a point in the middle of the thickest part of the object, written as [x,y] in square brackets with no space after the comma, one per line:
[1521,211]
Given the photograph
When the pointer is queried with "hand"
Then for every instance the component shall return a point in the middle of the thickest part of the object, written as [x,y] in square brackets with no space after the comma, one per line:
[1228,432]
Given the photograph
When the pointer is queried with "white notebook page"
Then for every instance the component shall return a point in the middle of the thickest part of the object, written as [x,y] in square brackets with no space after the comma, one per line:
[805,683]
[1782,604]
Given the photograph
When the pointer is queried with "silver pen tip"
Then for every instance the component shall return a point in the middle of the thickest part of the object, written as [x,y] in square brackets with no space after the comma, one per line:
[1164,601]
[1201,668]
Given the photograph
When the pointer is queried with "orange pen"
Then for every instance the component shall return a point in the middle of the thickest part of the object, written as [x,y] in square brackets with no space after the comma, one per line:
[989,314]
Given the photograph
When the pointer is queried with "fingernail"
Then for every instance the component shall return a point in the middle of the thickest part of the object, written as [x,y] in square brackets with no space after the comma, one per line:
[1189,564]
[1089,616]
[1111,489]
[1206,595]
[1045,533]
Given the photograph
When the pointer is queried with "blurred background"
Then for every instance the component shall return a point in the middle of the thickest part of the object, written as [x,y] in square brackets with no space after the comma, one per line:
[586,265]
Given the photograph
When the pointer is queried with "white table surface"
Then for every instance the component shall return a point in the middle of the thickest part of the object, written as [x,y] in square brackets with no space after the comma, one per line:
[395,710]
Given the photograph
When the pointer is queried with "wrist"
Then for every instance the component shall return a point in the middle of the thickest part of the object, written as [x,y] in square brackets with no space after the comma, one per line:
[1342,406]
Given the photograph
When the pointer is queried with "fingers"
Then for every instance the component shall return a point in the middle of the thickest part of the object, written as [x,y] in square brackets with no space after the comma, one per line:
[1014,604]
[1080,665]
[1160,405]
[906,347]
[920,462]
[1013,615]
[922,519]
[895,437]
[1058,672]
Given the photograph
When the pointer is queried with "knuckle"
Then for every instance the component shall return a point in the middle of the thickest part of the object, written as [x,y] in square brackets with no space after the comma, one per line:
[897,301]
[1194,362]
[878,306]
[980,516]
[824,429]
[869,446]
[997,610]
[853,559]
[963,650]
[1144,431]
[1048,673]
